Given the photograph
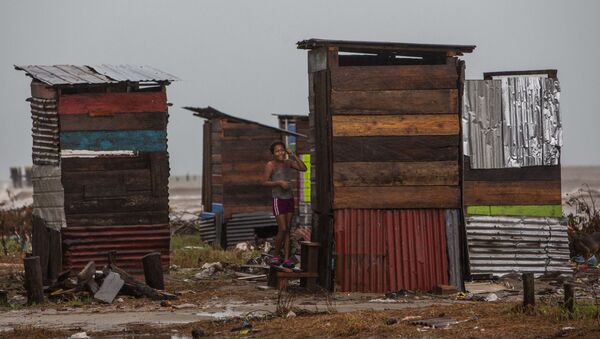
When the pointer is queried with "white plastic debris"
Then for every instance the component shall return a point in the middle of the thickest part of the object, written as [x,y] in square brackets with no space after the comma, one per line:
[208,269]
[290,314]
[79,335]
[491,297]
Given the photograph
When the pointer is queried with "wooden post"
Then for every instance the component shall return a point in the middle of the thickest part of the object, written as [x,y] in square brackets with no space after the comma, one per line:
[112,258]
[153,270]
[220,234]
[528,290]
[33,280]
[310,263]
[569,298]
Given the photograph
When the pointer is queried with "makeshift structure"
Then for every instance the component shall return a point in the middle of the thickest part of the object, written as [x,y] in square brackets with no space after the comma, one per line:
[100,165]
[235,152]
[387,176]
[512,192]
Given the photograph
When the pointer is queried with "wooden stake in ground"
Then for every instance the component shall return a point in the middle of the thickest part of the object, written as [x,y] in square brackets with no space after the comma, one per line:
[153,270]
[3,298]
[528,290]
[33,280]
[569,298]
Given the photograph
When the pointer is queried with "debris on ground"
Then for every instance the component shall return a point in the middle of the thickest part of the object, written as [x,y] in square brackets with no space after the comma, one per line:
[244,246]
[208,270]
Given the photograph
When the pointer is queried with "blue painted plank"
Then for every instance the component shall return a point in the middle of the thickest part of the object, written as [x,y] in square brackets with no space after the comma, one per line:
[139,140]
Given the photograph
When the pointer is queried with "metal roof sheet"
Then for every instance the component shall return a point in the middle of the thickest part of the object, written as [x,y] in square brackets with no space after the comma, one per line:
[212,113]
[385,47]
[57,75]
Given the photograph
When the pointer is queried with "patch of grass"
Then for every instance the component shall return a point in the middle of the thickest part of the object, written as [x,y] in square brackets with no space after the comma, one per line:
[179,241]
[583,310]
[13,248]
[188,251]
[32,332]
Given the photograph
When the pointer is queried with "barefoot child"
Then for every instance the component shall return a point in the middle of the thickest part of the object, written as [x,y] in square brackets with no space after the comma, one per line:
[278,174]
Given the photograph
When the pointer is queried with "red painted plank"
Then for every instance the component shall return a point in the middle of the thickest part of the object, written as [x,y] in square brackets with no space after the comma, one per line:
[107,104]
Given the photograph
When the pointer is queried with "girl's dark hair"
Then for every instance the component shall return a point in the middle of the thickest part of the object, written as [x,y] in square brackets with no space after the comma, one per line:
[272,148]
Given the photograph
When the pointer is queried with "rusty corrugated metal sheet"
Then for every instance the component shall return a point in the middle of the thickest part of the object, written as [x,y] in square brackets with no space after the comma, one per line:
[502,244]
[131,242]
[101,74]
[388,250]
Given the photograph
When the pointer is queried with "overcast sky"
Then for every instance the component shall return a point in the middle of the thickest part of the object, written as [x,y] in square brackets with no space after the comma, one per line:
[240,56]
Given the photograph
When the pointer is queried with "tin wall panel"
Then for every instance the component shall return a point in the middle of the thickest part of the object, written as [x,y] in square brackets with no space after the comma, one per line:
[46,150]
[502,244]
[482,123]
[388,250]
[526,122]
[551,122]
[131,242]
[48,196]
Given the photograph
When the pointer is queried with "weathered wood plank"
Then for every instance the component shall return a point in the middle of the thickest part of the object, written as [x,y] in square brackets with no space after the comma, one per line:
[112,103]
[395,125]
[118,163]
[77,204]
[413,148]
[115,218]
[378,78]
[395,173]
[131,180]
[512,193]
[395,102]
[397,197]
[531,173]
[119,122]
[141,140]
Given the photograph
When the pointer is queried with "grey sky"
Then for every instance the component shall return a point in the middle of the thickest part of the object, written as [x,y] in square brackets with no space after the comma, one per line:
[240,56]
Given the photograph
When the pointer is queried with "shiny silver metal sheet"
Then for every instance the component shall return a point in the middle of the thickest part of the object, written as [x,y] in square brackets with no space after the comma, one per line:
[551,122]
[45,150]
[522,121]
[520,128]
[500,244]
[482,123]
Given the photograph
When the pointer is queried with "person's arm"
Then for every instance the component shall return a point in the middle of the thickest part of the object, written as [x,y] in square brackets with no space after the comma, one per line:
[267,178]
[296,163]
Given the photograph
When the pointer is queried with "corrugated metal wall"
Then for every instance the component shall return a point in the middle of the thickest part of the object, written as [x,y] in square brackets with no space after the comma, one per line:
[500,245]
[387,250]
[512,122]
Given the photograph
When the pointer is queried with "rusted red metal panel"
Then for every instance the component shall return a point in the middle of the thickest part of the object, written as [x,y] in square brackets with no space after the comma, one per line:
[85,243]
[106,104]
[389,250]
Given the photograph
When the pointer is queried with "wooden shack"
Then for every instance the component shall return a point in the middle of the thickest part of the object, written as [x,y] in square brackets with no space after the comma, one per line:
[387,139]
[100,165]
[235,152]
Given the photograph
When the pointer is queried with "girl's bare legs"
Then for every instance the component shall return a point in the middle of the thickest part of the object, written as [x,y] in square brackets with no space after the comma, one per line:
[288,227]
[281,231]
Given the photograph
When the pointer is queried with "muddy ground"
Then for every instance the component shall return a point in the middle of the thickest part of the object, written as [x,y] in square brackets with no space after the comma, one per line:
[224,306]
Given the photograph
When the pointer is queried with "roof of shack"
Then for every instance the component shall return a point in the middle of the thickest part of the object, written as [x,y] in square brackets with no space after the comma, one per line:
[212,113]
[290,116]
[385,47]
[63,75]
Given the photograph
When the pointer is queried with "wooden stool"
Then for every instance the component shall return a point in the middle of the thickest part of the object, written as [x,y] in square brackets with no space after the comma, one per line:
[278,276]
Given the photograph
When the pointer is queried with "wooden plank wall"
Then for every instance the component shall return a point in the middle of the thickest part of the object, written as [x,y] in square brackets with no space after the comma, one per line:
[108,195]
[536,185]
[244,150]
[396,136]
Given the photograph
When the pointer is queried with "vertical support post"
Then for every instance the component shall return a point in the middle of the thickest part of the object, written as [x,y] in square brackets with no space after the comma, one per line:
[528,290]
[33,280]
[153,273]
[310,263]
[569,298]
[3,298]
[220,234]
